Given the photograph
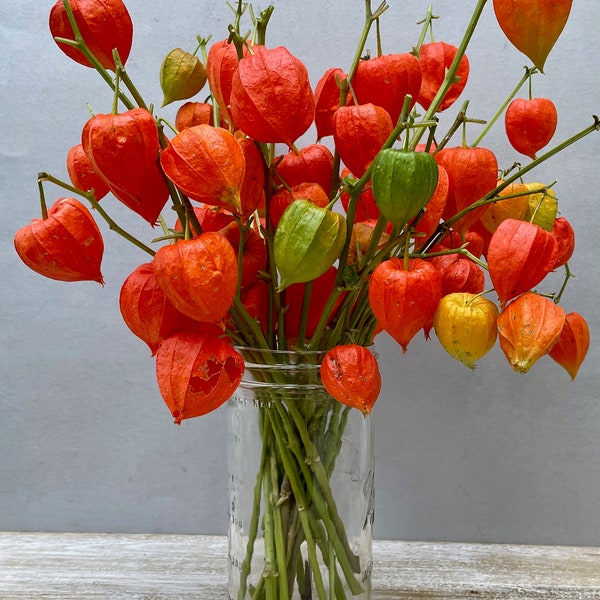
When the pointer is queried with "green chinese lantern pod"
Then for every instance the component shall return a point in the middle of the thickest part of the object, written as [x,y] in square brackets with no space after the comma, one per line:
[182,76]
[403,182]
[307,242]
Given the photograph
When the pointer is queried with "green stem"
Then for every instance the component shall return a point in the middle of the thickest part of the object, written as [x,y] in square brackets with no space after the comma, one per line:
[500,112]
[427,22]
[291,469]
[253,527]
[280,544]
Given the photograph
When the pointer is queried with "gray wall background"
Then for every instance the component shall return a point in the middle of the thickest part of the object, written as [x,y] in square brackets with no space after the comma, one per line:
[86,443]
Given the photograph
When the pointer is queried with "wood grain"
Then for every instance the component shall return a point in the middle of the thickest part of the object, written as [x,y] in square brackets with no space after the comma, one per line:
[66,566]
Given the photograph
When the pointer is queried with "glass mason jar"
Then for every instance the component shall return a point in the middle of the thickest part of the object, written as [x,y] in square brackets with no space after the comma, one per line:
[300,485]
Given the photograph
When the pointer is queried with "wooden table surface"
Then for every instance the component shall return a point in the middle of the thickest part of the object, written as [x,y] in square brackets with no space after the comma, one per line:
[64,566]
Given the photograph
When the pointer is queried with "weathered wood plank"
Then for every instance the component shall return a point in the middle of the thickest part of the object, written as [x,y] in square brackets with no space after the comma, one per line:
[65,566]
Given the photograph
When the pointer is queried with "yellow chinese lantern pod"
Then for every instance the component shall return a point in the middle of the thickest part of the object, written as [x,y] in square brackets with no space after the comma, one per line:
[542,207]
[528,328]
[465,325]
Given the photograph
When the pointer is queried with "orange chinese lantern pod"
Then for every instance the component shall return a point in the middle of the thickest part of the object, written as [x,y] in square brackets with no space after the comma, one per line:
[199,276]
[256,302]
[123,149]
[103,25]
[514,207]
[66,246]
[358,134]
[404,300]
[221,65]
[197,371]
[528,328]
[207,164]
[360,239]
[327,100]
[459,274]
[520,255]
[211,218]
[434,209]
[465,325]
[147,311]
[350,374]
[386,80]
[311,164]
[252,191]
[284,197]
[564,234]
[532,26]
[472,174]
[572,345]
[435,60]
[366,208]
[194,113]
[82,174]
[530,124]
[254,256]
[271,98]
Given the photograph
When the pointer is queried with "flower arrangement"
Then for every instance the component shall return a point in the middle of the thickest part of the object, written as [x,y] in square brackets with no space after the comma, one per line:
[384,223]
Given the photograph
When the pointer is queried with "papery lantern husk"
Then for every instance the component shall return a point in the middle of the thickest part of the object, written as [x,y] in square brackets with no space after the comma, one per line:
[403,182]
[221,65]
[358,133]
[210,218]
[572,344]
[147,311]
[532,26]
[307,241]
[564,234]
[428,222]
[271,99]
[519,256]
[182,76]
[542,207]
[194,113]
[311,164]
[252,191]
[327,100]
[459,274]
[465,325]
[508,208]
[528,328]
[254,255]
[103,26]
[199,276]
[530,124]
[360,240]
[123,149]
[304,191]
[350,374]
[197,371]
[386,80]
[207,164]
[404,298]
[66,246]
[472,174]
[82,174]
[435,59]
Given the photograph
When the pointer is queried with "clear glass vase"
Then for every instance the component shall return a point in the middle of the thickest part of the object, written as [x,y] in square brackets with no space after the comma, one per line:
[300,485]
